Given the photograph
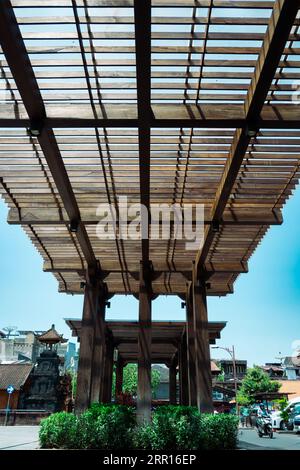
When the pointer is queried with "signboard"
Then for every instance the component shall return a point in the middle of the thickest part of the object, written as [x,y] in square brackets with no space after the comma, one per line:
[10,389]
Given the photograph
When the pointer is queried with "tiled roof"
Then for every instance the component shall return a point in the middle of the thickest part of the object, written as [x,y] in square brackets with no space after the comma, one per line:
[214,367]
[14,374]
[51,336]
[292,387]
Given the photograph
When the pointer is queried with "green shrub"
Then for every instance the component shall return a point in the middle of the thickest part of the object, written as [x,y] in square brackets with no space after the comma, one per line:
[184,428]
[142,437]
[114,427]
[188,432]
[59,431]
[106,426]
[218,431]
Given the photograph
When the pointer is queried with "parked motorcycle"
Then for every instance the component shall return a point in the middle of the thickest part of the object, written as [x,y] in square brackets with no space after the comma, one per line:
[264,426]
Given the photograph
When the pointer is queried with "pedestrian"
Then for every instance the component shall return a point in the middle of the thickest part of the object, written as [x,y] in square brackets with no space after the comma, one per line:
[245,416]
[242,417]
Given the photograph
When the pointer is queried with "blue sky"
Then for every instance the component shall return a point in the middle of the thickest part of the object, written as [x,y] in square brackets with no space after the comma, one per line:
[263,314]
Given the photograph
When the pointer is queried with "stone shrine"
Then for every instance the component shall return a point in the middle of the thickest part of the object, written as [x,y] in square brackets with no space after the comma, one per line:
[43,392]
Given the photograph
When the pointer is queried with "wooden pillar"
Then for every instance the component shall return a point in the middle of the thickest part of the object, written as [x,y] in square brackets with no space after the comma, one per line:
[144,392]
[191,353]
[183,372]
[203,367]
[108,371]
[98,356]
[87,335]
[172,383]
[119,376]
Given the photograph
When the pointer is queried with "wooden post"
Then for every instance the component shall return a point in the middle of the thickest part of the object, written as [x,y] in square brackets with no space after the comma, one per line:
[183,372]
[144,393]
[84,376]
[98,356]
[203,367]
[119,376]
[108,371]
[172,383]
[191,353]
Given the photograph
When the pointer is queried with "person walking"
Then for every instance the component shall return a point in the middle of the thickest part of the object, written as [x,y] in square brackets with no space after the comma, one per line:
[245,417]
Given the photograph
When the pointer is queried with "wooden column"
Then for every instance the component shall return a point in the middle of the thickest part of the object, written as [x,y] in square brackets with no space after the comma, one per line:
[172,383]
[108,371]
[119,376]
[203,368]
[98,356]
[84,376]
[183,372]
[191,353]
[144,393]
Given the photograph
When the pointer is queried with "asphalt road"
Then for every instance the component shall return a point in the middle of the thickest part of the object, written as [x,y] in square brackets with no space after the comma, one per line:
[26,438]
[248,439]
[19,437]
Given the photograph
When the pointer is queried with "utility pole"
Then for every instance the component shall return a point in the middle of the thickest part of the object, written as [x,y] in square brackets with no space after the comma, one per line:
[232,354]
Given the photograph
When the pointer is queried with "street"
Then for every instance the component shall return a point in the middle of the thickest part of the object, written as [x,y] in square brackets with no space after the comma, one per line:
[249,440]
[19,437]
[26,438]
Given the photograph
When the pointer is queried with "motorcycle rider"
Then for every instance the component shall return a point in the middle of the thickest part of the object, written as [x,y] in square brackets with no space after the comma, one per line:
[262,411]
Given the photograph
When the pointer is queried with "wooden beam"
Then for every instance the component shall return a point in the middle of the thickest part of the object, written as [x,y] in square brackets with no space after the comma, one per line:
[274,116]
[183,371]
[87,345]
[257,4]
[144,394]
[142,24]
[202,363]
[191,350]
[98,354]
[108,370]
[172,384]
[281,22]
[16,55]
[119,376]
[51,216]
[69,266]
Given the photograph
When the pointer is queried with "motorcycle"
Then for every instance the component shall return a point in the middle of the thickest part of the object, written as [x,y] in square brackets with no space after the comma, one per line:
[264,426]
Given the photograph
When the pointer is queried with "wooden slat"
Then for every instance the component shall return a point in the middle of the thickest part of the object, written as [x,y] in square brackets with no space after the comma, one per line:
[281,22]
[15,53]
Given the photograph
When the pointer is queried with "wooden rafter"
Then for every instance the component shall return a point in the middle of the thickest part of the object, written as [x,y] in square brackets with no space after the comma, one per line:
[102,81]
[142,23]
[281,22]
[16,55]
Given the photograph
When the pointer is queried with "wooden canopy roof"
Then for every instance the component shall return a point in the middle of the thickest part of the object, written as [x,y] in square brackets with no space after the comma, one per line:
[182,101]
[166,337]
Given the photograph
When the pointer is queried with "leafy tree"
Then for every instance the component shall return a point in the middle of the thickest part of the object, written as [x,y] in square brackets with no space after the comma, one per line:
[242,399]
[256,381]
[283,403]
[130,379]
[73,381]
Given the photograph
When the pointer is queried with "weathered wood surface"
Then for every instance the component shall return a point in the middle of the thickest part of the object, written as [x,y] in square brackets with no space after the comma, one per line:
[204,93]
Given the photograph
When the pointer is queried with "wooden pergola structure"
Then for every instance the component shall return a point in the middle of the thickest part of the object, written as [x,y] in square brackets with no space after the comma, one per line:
[182,101]
[168,346]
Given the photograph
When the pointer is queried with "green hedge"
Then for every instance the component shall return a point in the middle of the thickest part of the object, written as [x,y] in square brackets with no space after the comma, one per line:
[184,428]
[114,427]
